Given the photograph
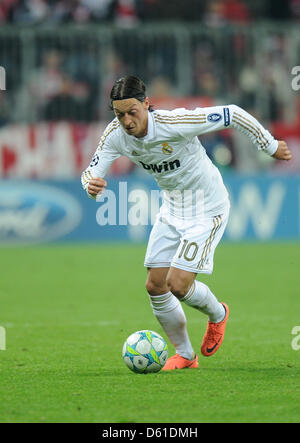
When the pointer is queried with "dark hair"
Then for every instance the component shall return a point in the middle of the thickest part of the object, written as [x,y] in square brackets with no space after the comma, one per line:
[128,87]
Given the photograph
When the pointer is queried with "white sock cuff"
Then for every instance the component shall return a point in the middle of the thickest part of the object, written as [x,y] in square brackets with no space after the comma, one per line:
[190,292]
[163,303]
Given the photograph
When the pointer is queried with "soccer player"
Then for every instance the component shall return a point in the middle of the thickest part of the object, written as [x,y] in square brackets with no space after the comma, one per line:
[195,208]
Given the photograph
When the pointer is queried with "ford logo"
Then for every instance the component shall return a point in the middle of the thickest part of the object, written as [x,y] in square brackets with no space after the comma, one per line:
[214,117]
[31,212]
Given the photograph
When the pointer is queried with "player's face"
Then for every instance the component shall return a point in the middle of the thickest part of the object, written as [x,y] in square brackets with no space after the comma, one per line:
[133,115]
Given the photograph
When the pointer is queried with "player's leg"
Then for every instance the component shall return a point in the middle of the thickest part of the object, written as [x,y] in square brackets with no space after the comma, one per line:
[195,255]
[194,293]
[162,245]
[168,311]
[156,283]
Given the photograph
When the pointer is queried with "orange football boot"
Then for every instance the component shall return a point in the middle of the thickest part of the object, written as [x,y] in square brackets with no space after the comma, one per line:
[214,335]
[178,362]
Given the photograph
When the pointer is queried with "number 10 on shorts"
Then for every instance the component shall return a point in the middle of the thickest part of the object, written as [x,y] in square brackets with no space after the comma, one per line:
[188,250]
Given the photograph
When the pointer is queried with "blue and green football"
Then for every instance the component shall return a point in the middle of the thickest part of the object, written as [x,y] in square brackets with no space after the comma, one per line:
[145,351]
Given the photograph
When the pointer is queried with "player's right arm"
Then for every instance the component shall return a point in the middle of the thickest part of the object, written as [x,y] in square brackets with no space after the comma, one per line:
[96,186]
[92,178]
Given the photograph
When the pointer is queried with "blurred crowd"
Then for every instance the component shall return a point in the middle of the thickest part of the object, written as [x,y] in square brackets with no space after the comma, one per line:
[130,12]
[56,76]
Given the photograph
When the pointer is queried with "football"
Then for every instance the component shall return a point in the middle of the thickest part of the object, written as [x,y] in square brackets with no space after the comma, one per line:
[145,351]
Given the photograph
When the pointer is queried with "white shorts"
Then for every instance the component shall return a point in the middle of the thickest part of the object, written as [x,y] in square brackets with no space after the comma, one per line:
[185,244]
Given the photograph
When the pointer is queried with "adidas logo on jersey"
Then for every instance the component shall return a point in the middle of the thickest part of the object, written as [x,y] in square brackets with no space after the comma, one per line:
[164,166]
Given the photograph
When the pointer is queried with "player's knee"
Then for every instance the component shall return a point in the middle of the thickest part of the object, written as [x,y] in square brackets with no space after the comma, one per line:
[178,287]
[155,288]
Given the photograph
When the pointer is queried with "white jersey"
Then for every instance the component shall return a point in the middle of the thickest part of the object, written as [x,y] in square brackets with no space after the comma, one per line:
[173,154]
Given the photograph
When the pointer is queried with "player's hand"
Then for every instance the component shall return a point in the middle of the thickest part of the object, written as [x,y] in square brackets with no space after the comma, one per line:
[96,186]
[283,152]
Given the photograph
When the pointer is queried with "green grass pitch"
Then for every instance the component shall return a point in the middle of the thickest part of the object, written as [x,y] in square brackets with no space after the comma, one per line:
[68,309]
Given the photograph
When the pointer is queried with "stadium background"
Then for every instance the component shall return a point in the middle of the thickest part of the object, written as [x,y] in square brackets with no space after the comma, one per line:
[61,59]
[71,291]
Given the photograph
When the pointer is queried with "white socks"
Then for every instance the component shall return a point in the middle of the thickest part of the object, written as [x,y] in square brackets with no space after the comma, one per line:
[200,297]
[168,311]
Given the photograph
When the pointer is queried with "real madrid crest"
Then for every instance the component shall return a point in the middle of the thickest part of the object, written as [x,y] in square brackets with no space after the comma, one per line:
[167,149]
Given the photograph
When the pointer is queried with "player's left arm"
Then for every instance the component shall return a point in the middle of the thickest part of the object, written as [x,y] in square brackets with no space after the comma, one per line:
[282,152]
[216,118]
